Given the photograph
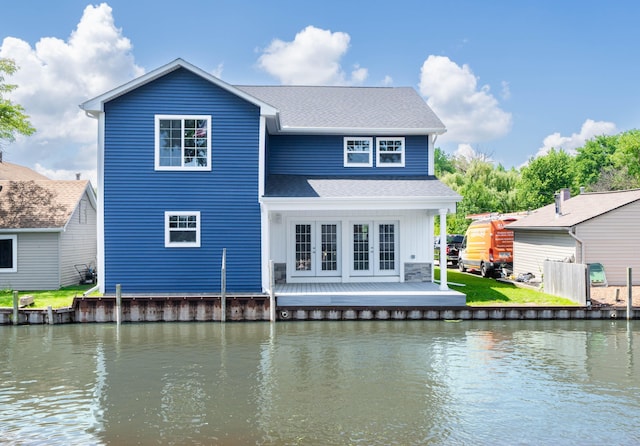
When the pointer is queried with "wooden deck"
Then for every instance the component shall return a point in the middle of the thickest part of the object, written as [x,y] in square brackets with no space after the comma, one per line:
[413,294]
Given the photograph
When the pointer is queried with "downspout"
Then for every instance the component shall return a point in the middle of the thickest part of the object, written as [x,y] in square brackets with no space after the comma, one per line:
[571,232]
[431,141]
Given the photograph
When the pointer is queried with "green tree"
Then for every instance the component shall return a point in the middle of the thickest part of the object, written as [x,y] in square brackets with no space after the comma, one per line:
[608,163]
[612,178]
[543,177]
[484,189]
[591,159]
[443,163]
[627,152]
[13,120]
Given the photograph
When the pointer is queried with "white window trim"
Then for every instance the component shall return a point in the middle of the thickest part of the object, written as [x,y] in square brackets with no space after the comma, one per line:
[346,159]
[167,231]
[378,153]
[157,143]
[14,254]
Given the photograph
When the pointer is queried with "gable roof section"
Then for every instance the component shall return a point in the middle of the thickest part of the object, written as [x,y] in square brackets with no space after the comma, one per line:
[9,171]
[96,105]
[577,210]
[66,196]
[319,109]
[312,109]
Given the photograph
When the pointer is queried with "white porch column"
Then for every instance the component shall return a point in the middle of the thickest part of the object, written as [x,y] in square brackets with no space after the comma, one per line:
[443,250]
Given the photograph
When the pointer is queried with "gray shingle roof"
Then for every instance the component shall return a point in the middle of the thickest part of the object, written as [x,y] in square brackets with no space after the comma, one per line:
[577,210]
[318,107]
[300,186]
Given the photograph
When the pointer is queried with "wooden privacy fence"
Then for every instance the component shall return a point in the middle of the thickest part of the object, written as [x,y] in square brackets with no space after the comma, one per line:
[570,280]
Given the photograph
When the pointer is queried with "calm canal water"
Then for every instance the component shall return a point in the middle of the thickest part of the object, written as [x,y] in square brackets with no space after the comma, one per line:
[325,383]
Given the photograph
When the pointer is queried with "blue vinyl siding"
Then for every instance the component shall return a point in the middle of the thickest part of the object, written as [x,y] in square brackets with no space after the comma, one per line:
[136,196]
[324,155]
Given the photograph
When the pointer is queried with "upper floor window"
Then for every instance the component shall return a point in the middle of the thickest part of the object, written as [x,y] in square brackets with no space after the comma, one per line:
[183,142]
[182,229]
[8,253]
[390,152]
[358,152]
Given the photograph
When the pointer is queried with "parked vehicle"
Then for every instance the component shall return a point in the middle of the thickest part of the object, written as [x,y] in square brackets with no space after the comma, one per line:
[488,247]
[454,241]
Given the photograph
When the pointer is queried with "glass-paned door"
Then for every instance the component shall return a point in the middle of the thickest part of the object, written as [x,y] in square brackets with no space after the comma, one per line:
[316,249]
[386,252]
[329,247]
[375,248]
[303,248]
[362,249]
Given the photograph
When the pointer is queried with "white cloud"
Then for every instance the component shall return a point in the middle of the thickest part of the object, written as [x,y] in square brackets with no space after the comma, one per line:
[465,151]
[359,74]
[470,113]
[217,71]
[469,153]
[312,58]
[56,76]
[589,130]
[66,174]
[506,90]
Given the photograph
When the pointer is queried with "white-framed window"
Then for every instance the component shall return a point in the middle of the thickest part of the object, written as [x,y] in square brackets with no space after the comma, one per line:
[390,152]
[182,229]
[8,253]
[183,142]
[358,152]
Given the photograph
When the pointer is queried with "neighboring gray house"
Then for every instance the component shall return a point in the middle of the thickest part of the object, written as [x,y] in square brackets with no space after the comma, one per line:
[47,227]
[599,227]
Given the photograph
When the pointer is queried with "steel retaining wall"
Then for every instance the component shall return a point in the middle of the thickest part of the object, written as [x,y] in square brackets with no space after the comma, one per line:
[256,308]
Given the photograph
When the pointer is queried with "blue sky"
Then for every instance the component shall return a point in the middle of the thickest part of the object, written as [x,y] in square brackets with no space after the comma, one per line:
[510,79]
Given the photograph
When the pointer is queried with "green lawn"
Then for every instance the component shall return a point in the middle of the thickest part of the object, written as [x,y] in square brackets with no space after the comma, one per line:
[42,299]
[479,291]
[490,292]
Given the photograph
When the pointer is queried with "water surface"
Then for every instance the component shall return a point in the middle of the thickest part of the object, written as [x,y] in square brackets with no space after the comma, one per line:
[343,383]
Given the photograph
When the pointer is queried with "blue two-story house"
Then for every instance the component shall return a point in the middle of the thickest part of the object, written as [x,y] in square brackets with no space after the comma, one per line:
[327,184]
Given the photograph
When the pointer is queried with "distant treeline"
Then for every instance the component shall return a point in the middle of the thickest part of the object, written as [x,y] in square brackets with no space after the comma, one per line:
[604,163]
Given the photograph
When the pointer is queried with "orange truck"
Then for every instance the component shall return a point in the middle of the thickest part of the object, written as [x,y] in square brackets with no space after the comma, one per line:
[487,247]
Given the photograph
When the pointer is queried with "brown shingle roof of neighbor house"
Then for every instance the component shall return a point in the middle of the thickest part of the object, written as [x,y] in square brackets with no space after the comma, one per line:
[41,204]
[576,210]
[10,171]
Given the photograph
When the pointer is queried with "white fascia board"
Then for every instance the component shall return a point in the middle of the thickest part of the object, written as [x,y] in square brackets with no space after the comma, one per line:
[561,229]
[24,230]
[360,131]
[91,193]
[358,203]
[96,105]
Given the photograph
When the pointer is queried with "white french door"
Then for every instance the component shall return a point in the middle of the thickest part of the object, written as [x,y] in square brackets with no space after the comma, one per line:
[334,249]
[374,248]
[316,248]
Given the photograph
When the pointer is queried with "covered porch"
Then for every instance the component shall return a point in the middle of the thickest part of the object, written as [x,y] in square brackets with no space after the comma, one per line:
[354,240]
[367,294]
